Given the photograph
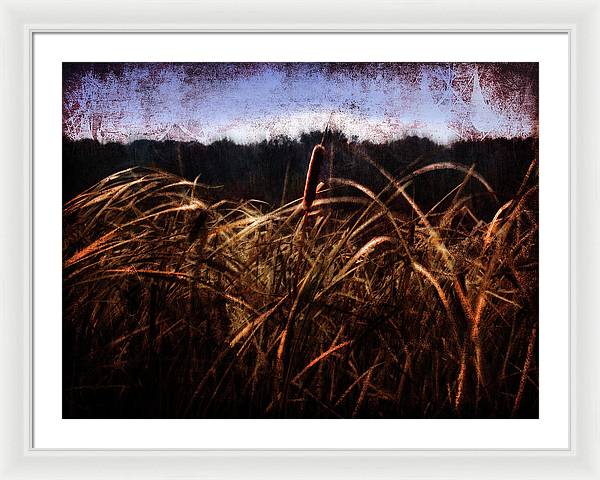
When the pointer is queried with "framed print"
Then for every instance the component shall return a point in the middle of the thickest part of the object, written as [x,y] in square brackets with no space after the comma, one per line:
[310,249]
[350,242]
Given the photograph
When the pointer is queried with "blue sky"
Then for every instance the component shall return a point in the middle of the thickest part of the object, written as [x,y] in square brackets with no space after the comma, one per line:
[252,102]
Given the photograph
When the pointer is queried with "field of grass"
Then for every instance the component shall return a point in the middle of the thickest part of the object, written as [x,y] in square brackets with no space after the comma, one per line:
[358,303]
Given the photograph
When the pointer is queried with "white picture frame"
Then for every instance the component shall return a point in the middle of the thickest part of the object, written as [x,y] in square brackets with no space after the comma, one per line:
[19,22]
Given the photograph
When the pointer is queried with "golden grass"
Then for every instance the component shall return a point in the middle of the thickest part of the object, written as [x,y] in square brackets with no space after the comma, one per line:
[201,308]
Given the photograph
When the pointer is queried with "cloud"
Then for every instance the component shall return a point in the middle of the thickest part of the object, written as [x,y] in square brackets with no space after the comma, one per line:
[251,102]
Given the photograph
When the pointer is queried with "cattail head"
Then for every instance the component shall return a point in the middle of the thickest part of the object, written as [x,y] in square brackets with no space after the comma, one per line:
[312,177]
[198,226]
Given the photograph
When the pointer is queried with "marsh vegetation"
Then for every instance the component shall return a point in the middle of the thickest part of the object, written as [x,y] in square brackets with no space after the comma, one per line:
[395,290]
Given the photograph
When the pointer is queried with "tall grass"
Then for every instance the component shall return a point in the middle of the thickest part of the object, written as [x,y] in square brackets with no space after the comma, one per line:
[335,305]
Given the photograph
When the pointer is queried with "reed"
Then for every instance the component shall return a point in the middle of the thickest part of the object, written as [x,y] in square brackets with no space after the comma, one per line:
[181,305]
[315,165]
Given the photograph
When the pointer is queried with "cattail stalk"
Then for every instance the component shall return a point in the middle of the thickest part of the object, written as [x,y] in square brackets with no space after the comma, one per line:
[312,177]
[310,193]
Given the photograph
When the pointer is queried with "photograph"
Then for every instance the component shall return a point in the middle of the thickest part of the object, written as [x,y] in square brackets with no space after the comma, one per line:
[300,240]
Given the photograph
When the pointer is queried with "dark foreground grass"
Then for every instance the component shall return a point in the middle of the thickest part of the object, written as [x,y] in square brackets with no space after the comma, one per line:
[176,305]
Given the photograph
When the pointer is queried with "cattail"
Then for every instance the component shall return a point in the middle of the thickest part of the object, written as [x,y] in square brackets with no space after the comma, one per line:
[198,229]
[312,177]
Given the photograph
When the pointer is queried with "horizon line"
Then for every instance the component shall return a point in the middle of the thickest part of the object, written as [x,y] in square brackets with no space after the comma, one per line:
[297,139]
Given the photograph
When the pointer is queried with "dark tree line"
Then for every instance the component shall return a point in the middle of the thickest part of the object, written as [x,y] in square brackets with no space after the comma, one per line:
[274,171]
